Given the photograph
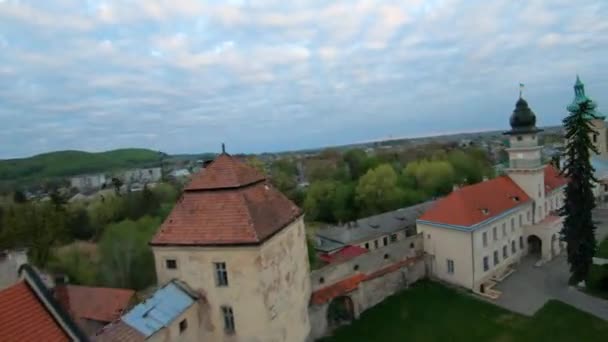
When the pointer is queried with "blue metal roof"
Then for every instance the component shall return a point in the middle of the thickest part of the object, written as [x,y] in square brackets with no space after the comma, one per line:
[600,166]
[158,311]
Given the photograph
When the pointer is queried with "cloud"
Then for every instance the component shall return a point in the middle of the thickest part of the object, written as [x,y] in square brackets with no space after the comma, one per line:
[184,75]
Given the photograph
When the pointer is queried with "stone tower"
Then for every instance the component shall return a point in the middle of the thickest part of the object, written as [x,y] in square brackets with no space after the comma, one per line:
[525,158]
[599,138]
[241,244]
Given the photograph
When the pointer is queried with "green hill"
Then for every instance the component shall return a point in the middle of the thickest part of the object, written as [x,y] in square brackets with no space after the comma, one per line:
[68,163]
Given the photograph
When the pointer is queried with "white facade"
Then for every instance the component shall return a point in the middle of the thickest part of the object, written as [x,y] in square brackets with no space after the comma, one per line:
[88,182]
[149,175]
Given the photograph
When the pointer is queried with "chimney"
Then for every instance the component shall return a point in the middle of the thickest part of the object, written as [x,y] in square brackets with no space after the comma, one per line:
[455,187]
[485,178]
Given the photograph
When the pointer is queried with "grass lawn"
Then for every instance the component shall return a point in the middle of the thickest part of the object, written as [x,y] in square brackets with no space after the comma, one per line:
[602,251]
[431,312]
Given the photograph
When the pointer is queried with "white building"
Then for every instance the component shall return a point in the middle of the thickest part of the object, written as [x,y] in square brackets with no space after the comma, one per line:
[475,234]
[88,182]
[143,176]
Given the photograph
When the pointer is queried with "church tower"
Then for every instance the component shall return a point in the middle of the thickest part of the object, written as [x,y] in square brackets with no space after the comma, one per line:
[599,125]
[525,158]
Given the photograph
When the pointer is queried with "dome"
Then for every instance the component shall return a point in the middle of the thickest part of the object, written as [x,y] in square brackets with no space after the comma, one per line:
[523,119]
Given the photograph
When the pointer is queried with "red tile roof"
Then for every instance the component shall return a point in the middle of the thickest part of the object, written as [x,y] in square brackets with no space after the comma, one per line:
[23,317]
[118,331]
[476,203]
[340,288]
[223,173]
[553,179]
[344,254]
[228,203]
[97,303]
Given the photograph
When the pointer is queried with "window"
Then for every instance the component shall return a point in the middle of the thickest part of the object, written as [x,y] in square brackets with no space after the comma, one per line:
[385,240]
[594,138]
[356,268]
[521,242]
[519,138]
[367,245]
[321,280]
[385,256]
[495,258]
[450,266]
[546,207]
[504,229]
[484,239]
[504,252]
[228,319]
[375,243]
[528,216]
[171,264]
[540,211]
[512,223]
[486,263]
[520,222]
[494,234]
[393,237]
[183,325]
[221,275]
[513,247]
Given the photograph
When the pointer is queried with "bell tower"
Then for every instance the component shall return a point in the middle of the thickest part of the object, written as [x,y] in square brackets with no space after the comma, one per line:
[525,159]
[599,138]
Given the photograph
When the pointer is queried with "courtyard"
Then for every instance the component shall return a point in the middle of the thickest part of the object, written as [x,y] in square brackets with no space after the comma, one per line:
[429,311]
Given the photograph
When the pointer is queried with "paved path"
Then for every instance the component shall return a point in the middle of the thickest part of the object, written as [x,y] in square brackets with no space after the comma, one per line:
[530,287]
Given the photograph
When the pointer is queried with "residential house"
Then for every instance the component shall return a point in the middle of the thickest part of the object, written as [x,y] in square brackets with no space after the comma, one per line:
[30,313]
[93,307]
[371,232]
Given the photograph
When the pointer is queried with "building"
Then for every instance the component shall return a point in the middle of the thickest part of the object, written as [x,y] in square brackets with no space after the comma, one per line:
[93,307]
[371,232]
[142,176]
[10,263]
[170,314]
[30,313]
[474,235]
[241,245]
[88,182]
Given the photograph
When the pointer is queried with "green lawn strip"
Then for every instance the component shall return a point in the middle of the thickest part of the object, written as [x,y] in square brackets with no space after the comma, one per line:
[432,312]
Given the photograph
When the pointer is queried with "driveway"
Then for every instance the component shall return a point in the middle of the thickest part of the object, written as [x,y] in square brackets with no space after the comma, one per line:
[530,287]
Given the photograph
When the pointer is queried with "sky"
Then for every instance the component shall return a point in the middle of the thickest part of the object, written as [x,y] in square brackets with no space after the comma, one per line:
[183,76]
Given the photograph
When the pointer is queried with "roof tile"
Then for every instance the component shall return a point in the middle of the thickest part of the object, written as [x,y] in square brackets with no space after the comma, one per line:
[24,318]
[97,303]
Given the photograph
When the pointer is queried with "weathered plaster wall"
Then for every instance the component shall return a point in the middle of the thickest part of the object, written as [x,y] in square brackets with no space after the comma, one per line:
[172,333]
[386,271]
[268,285]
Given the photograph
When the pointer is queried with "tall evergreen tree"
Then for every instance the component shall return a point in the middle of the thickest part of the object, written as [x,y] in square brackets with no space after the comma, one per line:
[579,228]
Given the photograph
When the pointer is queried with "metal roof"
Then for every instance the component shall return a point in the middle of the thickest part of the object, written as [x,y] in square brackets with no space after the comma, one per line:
[158,311]
[367,228]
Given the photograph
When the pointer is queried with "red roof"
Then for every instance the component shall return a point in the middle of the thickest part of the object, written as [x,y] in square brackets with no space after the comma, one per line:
[227,203]
[224,172]
[97,303]
[343,254]
[24,318]
[553,179]
[337,289]
[118,331]
[476,203]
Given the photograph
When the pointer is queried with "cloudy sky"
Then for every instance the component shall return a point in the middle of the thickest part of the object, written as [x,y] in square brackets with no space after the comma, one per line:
[267,75]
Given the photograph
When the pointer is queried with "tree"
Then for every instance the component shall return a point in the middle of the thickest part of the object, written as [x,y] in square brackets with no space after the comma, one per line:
[19,197]
[356,161]
[79,224]
[431,177]
[257,164]
[117,184]
[377,191]
[579,228]
[126,259]
[319,201]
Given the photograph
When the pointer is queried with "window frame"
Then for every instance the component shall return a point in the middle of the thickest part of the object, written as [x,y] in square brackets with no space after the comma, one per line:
[513,247]
[450,266]
[171,264]
[221,274]
[183,325]
[505,252]
[228,317]
[484,239]
[496,259]
[385,240]
[394,237]
[486,263]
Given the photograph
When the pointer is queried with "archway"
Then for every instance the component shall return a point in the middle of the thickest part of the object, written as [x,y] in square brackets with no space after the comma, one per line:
[340,311]
[535,246]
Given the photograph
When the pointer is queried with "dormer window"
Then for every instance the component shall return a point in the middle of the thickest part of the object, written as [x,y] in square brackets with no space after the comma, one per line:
[485,211]
[515,198]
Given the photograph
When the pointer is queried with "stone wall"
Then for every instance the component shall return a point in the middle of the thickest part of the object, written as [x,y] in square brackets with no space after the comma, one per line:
[367,280]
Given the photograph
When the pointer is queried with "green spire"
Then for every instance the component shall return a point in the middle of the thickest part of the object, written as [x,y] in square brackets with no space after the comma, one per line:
[580,97]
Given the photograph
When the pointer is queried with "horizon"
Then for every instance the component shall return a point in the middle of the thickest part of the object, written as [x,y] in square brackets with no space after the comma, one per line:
[265,76]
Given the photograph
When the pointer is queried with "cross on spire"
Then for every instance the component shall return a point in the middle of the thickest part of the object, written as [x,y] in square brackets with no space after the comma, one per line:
[521,89]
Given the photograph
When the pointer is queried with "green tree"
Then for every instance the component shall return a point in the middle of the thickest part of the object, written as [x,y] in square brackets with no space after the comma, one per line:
[126,260]
[431,177]
[357,162]
[343,202]
[377,191]
[579,228]
[19,197]
[319,201]
[79,224]
[257,164]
